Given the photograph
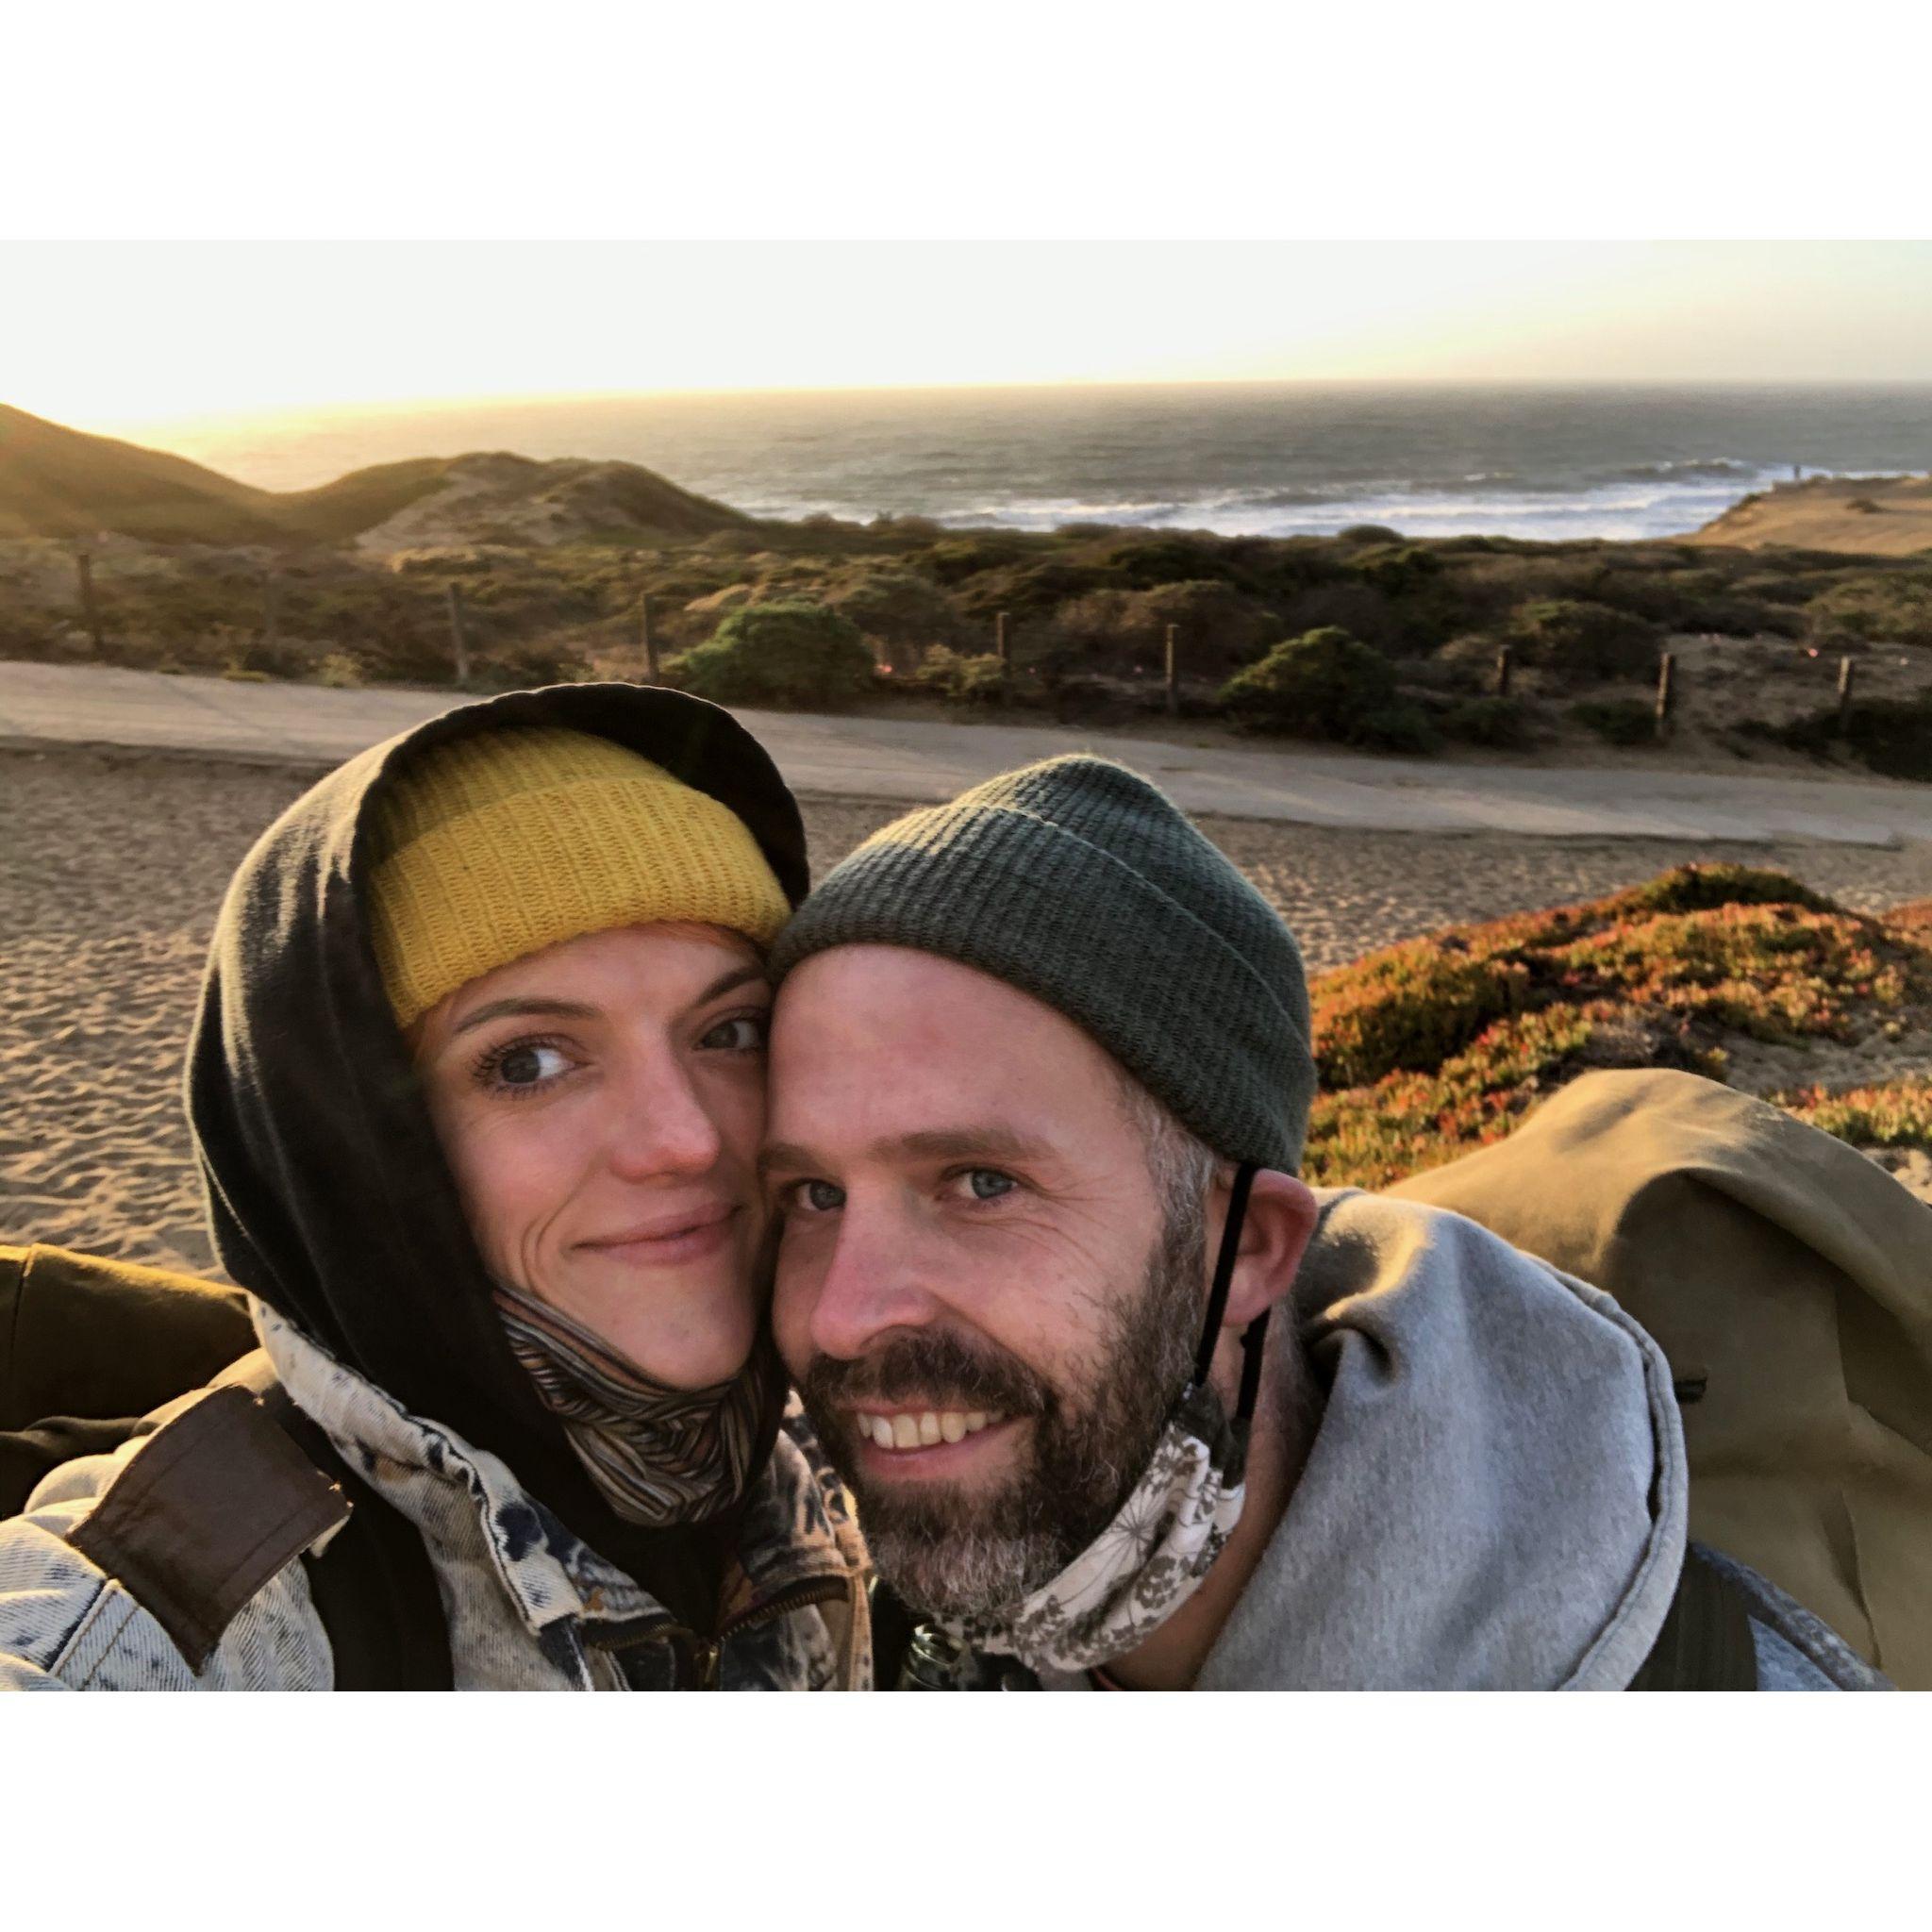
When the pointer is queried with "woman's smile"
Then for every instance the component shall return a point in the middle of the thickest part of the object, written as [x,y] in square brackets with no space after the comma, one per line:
[669,1240]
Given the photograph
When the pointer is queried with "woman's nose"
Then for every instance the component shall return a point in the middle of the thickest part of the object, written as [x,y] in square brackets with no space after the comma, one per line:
[662,1126]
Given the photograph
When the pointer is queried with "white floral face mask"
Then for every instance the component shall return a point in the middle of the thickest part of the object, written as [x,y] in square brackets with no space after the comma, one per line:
[1151,1557]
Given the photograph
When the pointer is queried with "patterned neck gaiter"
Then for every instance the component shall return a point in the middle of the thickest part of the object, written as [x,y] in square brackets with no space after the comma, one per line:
[659,1455]
[1143,1566]
[1163,1539]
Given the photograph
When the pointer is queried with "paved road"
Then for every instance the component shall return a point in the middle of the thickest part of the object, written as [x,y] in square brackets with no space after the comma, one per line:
[916,760]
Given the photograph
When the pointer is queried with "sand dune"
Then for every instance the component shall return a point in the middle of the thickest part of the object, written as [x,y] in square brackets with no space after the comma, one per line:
[1870,516]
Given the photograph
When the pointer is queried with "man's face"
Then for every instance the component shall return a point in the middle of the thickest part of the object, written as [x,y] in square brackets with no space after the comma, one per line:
[978,1290]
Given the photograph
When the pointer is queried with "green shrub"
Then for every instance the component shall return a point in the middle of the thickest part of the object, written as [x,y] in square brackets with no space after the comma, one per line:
[1217,628]
[898,608]
[1323,684]
[787,653]
[1029,591]
[1705,888]
[1471,659]
[1403,726]
[960,558]
[1358,609]
[1369,533]
[1491,587]
[1166,560]
[1893,608]
[1617,721]
[339,671]
[1503,723]
[1398,569]
[1582,640]
[961,679]
[1776,588]
[1892,734]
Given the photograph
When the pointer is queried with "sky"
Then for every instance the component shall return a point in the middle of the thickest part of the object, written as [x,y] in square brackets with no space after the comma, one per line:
[115,336]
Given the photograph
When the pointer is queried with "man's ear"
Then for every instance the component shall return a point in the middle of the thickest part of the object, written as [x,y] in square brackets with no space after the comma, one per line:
[1275,1233]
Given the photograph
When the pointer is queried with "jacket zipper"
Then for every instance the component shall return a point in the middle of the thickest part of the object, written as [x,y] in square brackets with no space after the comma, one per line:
[799,1596]
[705,1651]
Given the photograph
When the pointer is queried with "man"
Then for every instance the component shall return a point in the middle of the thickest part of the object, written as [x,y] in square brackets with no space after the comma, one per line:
[1040,1078]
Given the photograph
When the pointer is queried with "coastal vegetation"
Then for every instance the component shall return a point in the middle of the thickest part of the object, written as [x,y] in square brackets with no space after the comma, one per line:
[1440,1045]
[786,653]
[574,569]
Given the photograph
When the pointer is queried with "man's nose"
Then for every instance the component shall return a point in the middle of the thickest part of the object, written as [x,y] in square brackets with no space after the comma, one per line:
[870,1287]
[662,1124]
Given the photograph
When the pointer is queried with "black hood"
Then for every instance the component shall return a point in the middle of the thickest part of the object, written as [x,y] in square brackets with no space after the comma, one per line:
[327,1193]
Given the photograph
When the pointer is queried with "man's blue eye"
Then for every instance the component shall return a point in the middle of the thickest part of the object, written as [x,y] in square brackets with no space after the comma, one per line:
[989,1183]
[822,1197]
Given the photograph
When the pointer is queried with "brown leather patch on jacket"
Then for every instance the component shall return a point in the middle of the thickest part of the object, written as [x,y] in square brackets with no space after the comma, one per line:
[218,1501]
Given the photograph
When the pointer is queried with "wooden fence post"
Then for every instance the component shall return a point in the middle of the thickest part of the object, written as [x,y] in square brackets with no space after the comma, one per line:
[1847,676]
[646,641]
[1002,649]
[1174,672]
[89,609]
[1505,658]
[459,635]
[1666,691]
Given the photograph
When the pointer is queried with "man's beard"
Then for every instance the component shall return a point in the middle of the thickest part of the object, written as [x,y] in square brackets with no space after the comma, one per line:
[951,1552]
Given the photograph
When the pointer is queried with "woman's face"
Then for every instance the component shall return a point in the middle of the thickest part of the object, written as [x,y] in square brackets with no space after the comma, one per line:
[601,1105]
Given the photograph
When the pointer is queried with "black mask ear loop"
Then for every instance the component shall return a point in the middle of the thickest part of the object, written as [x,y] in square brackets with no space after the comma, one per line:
[1255,1332]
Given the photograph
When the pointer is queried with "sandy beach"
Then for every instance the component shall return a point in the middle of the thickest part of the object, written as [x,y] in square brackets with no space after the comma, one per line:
[111,868]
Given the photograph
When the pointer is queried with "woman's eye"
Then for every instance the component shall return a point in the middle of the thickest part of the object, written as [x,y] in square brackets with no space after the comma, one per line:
[989,1183]
[741,1033]
[527,1066]
[817,1197]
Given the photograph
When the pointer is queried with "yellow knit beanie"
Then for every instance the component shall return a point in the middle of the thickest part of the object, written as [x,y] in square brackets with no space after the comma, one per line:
[491,847]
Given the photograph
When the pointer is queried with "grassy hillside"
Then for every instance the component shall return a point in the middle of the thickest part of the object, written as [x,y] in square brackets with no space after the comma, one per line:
[57,482]
[1867,516]
[334,512]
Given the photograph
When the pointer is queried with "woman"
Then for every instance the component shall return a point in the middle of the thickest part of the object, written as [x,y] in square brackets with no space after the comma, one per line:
[477,1090]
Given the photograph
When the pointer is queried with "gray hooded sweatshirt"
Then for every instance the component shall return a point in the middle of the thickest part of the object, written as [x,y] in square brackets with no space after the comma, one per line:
[1495,1492]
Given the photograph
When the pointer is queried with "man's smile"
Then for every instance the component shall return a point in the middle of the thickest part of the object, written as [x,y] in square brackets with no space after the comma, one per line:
[915,1428]
[925,1441]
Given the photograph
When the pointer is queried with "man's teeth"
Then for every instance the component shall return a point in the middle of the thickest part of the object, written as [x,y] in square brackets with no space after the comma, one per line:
[919,1431]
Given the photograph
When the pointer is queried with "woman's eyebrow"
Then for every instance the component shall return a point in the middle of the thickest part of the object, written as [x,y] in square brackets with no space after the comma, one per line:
[739,976]
[498,1009]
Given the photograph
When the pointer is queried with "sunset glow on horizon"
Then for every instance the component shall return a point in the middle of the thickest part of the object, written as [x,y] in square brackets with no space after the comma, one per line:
[114,337]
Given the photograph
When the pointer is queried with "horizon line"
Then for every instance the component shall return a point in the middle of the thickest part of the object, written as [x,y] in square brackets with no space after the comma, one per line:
[529,398]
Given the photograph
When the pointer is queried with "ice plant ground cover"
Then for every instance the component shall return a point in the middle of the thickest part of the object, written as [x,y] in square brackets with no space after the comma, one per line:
[1438,1045]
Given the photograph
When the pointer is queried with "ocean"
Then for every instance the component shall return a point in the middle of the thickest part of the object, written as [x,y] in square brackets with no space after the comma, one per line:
[1275,460]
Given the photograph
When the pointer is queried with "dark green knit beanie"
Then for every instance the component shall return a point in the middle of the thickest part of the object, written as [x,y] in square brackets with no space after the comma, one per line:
[1080,883]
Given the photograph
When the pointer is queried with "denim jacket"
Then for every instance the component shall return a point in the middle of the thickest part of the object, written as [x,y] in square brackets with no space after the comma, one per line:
[528,1607]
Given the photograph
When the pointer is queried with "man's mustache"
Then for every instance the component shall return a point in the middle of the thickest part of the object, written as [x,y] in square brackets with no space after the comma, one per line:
[935,1369]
